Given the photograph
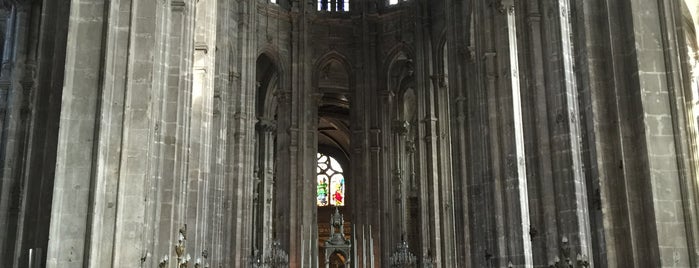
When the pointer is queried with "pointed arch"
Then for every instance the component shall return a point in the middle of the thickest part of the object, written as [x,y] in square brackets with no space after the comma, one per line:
[399,50]
[441,52]
[279,60]
[333,77]
[337,63]
[267,76]
[271,76]
[397,67]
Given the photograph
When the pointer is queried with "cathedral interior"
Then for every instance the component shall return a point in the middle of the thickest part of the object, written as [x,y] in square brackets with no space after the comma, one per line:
[349,133]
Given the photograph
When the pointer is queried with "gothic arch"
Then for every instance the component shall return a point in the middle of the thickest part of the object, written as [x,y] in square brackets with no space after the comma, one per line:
[279,60]
[441,52]
[269,102]
[329,58]
[335,106]
[690,22]
[268,75]
[398,52]
[399,70]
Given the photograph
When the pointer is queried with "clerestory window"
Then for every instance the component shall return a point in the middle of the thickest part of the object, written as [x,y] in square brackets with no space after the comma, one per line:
[333,5]
[395,2]
[331,182]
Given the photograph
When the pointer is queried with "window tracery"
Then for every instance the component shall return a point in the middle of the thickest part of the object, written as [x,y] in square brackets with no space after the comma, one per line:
[330,182]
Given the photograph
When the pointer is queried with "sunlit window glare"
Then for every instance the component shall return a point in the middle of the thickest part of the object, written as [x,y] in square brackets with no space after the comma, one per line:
[333,5]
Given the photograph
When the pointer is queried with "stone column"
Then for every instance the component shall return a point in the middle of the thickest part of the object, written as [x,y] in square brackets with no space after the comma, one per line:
[266,129]
[638,131]
[504,197]
[447,188]
[383,171]
[15,87]
[481,192]
[220,200]
[173,100]
[76,138]
[47,44]
[479,83]
[519,249]
[240,133]
[459,45]
[284,153]
[361,122]
[201,180]
[400,176]
[543,229]
[20,93]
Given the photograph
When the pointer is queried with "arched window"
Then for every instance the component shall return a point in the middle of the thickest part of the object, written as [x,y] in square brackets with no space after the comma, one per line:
[331,182]
[333,5]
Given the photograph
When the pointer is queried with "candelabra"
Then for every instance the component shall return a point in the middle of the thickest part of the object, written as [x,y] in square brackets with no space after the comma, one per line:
[402,257]
[163,262]
[183,258]
[256,259]
[276,258]
[427,260]
[580,260]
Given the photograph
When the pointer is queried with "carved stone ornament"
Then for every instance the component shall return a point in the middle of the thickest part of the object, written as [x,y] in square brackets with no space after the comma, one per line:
[337,231]
[266,125]
[400,127]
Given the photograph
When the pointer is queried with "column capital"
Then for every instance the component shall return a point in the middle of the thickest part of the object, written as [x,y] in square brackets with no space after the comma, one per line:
[266,125]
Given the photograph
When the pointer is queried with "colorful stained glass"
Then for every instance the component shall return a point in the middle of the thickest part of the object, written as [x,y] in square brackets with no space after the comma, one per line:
[331,182]
[322,190]
[337,190]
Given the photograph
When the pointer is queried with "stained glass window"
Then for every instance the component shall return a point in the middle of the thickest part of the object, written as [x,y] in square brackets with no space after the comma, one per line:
[333,5]
[331,182]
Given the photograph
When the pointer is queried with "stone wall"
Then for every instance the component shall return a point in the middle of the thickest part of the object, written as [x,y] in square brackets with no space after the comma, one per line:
[484,133]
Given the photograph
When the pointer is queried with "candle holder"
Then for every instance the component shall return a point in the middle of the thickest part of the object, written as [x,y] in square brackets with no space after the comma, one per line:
[402,257]
[163,262]
[183,258]
[277,256]
[256,259]
[428,260]
[581,261]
